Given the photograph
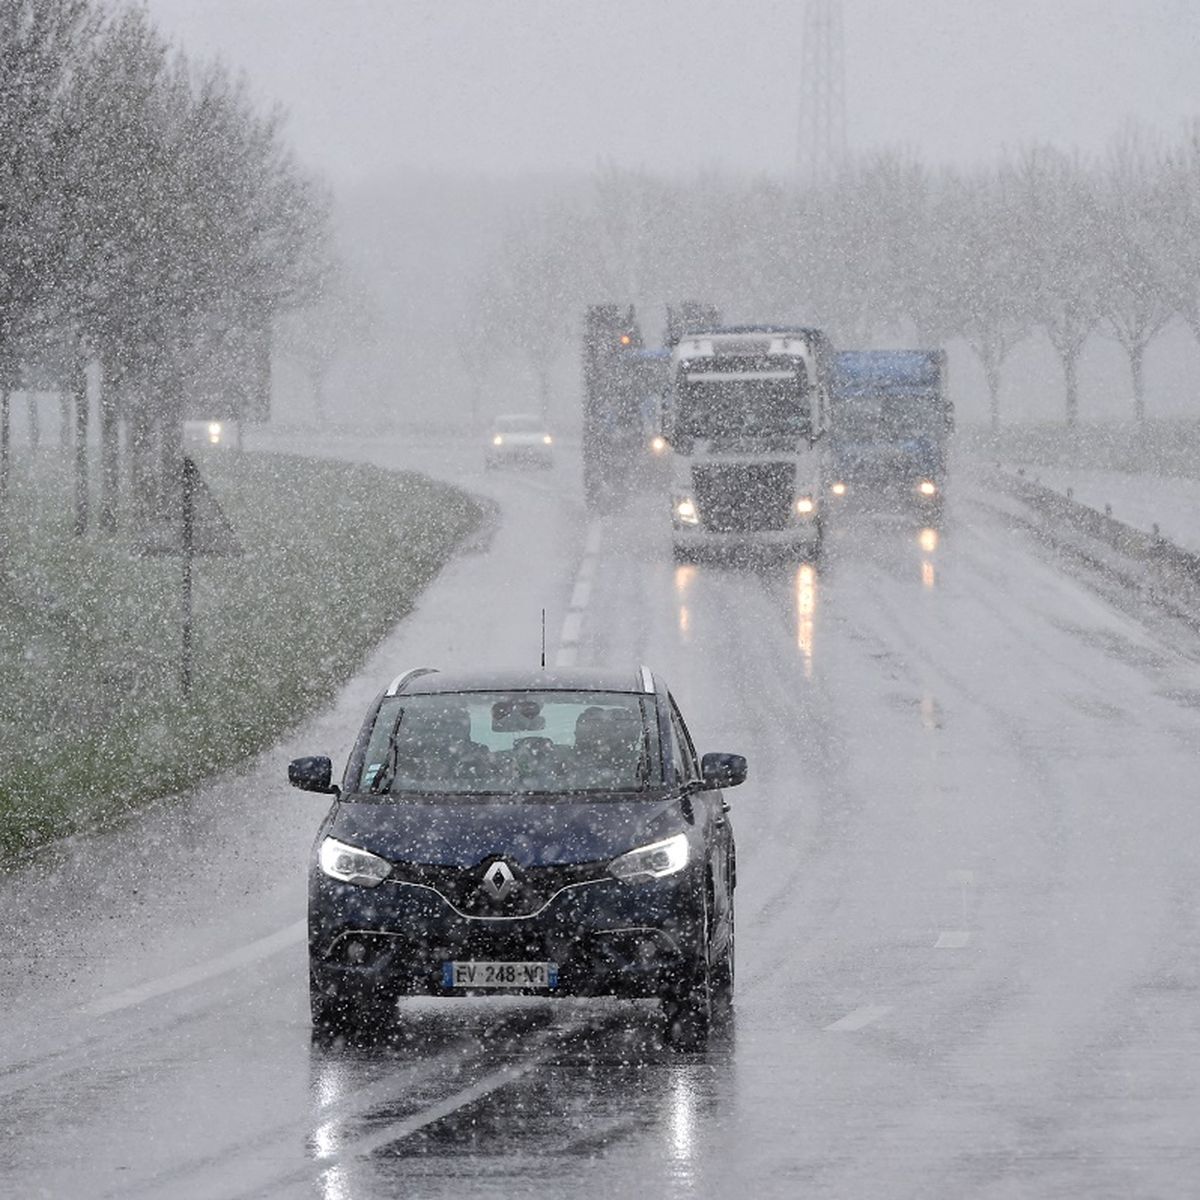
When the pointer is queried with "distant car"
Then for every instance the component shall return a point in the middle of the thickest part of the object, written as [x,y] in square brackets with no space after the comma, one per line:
[210,433]
[522,832]
[519,438]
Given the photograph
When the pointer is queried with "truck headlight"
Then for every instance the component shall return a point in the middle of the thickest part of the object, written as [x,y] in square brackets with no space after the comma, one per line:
[927,487]
[655,861]
[349,864]
[805,506]
[685,512]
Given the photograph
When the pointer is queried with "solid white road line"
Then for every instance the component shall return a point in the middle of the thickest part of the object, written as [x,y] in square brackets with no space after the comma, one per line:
[952,939]
[243,956]
[860,1017]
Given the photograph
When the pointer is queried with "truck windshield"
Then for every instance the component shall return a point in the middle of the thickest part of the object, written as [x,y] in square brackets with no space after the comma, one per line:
[716,404]
[891,417]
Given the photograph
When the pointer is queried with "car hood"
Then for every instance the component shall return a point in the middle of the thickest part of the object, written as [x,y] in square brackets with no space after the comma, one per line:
[533,833]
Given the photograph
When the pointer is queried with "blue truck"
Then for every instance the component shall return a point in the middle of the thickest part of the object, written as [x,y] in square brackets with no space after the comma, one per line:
[892,421]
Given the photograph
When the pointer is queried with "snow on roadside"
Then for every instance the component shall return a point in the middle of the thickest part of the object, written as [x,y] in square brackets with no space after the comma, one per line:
[1142,501]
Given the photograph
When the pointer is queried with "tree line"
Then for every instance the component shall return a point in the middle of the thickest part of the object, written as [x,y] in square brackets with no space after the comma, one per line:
[153,223]
[1041,241]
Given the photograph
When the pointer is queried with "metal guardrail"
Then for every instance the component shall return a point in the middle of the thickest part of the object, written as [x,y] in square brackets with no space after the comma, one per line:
[1129,540]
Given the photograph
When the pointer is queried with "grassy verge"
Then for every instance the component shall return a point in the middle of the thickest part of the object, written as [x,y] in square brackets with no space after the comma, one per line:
[92,722]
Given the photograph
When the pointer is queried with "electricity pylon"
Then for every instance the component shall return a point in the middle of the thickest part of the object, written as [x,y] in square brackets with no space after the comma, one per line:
[821,146]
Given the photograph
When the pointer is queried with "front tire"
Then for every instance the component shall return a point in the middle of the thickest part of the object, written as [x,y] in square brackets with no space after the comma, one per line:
[688,1008]
[352,1014]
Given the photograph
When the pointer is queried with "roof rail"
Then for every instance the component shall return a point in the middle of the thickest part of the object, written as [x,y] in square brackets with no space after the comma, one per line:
[405,676]
[645,678]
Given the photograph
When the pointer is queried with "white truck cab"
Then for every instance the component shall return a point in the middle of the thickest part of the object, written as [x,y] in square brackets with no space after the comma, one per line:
[747,422]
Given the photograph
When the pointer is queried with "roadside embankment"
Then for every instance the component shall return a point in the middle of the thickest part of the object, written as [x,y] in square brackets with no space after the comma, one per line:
[93,723]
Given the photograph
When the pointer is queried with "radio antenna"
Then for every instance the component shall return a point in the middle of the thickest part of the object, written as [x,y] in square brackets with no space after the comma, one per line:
[543,639]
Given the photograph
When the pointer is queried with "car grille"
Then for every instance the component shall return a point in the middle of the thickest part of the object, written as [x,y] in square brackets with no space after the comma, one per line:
[465,888]
[745,496]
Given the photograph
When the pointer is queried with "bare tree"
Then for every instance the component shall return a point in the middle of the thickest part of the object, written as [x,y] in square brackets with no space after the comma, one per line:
[1060,228]
[1135,209]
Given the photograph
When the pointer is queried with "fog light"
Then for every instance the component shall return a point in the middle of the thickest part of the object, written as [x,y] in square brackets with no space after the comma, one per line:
[838,489]
[805,505]
[927,487]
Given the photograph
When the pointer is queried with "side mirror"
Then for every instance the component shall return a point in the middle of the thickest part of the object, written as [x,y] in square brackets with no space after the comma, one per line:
[722,770]
[312,774]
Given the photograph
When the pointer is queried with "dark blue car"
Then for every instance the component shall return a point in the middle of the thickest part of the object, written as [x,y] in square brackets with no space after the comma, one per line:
[523,832]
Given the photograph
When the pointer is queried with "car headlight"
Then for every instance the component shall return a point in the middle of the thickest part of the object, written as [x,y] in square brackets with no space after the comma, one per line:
[547,440]
[654,861]
[927,487]
[497,440]
[658,444]
[805,506]
[838,489]
[685,512]
[352,865]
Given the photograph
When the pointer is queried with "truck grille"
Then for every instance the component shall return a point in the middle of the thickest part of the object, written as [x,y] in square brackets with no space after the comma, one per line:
[742,497]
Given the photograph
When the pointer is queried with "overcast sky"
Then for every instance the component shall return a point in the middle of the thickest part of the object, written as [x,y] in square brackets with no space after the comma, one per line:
[376,85]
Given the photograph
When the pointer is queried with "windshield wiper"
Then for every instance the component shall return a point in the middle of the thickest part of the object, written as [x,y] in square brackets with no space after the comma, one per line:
[387,769]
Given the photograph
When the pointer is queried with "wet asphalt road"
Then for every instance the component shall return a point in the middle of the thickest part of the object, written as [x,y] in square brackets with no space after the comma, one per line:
[968,906]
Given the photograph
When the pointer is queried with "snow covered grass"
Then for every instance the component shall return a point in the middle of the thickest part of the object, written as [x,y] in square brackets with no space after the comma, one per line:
[92,721]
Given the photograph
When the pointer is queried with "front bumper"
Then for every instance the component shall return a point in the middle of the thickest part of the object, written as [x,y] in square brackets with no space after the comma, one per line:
[607,937]
[805,533]
[500,455]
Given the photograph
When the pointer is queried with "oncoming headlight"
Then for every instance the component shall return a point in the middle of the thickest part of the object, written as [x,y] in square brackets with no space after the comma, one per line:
[349,864]
[805,506]
[658,444]
[654,861]
[547,440]
[497,440]
[927,487]
[685,512]
[838,489]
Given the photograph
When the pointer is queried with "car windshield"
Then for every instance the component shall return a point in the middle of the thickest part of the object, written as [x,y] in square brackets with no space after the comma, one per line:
[518,424]
[506,743]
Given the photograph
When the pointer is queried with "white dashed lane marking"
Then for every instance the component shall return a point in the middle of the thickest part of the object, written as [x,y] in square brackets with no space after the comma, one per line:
[859,1018]
[581,595]
[243,956]
[952,939]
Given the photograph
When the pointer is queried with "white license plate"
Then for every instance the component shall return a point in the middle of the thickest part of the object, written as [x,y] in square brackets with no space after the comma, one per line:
[500,975]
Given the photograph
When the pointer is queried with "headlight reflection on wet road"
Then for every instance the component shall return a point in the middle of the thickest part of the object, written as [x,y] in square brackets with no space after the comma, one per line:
[806,607]
[928,540]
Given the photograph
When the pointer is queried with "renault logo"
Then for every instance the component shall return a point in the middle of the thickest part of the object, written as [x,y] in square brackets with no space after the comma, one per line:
[499,881]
